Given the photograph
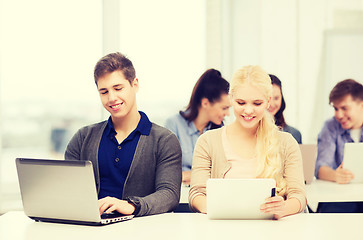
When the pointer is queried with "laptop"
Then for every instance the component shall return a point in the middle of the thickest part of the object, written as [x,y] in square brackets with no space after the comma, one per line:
[61,191]
[308,153]
[353,160]
[238,198]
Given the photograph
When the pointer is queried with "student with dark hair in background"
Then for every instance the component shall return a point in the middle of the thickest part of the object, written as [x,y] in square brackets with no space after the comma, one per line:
[278,106]
[346,126]
[208,105]
[137,163]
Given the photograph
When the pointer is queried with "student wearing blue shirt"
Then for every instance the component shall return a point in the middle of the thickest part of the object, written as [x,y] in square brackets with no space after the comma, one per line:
[137,164]
[277,107]
[346,126]
[208,105]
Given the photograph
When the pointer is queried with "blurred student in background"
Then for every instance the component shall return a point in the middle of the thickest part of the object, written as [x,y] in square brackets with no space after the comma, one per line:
[250,147]
[346,126]
[277,107]
[208,105]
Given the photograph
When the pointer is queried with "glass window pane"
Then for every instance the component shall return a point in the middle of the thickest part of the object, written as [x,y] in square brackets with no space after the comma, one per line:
[167,44]
[48,51]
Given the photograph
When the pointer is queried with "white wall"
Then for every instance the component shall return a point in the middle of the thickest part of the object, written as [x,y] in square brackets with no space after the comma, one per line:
[287,39]
[165,40]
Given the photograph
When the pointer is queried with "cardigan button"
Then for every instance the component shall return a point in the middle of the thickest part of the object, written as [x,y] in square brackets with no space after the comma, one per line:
[117,160]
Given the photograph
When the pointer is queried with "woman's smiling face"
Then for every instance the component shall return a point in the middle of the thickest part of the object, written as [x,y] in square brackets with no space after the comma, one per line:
[249,105]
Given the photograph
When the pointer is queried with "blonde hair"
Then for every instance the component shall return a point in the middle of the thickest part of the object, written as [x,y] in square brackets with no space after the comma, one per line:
[267,146]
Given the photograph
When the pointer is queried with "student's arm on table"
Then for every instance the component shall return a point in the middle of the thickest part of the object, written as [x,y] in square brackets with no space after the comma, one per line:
[280,207]
[326,157]
[200,203]
[110,204]
[340,175]
[295,188]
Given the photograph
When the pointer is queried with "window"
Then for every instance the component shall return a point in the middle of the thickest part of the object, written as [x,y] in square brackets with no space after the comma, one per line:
[166,42]
[48,51]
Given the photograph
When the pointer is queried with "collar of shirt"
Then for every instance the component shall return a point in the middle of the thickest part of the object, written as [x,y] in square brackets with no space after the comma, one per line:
[343,131]
[143,127]
[193,130]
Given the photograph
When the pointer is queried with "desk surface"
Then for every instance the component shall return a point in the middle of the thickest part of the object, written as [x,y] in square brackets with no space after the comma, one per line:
[184,193]
[325,191]
[15,225]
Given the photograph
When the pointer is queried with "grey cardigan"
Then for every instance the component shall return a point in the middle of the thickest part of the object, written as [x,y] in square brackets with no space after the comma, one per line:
[155,175]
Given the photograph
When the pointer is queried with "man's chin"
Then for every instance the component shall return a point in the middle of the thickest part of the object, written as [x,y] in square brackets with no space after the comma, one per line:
[346,126]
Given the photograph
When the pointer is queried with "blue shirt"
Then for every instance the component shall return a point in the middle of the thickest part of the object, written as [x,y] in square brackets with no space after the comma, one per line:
[187,134]
[294,132]
[331,142]
[115,159]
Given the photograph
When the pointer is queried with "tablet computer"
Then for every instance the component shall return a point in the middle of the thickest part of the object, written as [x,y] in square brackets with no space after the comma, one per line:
[353,160]
[238,198]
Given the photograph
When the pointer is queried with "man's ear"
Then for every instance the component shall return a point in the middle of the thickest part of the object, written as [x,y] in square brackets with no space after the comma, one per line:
[135,84]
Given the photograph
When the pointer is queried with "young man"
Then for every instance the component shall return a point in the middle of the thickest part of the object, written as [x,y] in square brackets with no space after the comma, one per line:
[346,126]
[137,163]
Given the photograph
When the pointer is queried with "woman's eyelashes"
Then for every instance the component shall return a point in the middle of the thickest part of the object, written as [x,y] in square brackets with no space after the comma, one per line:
[257,103]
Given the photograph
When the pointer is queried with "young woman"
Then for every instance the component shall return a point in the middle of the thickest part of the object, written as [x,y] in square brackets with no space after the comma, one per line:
[277,107]
[208,105]
[250,147]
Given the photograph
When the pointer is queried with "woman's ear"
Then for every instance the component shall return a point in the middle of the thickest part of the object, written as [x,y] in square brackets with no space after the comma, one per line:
[268,102]
[204,102]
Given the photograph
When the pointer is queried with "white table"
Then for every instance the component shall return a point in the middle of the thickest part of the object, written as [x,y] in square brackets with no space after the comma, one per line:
[184,194]
[16,226]
[325,191]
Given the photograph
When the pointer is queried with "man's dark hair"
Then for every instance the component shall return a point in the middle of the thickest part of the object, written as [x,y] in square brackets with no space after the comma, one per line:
[344,88]
[114,62]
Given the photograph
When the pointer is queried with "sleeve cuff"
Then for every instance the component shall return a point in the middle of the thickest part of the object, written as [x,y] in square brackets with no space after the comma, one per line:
[136,203]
